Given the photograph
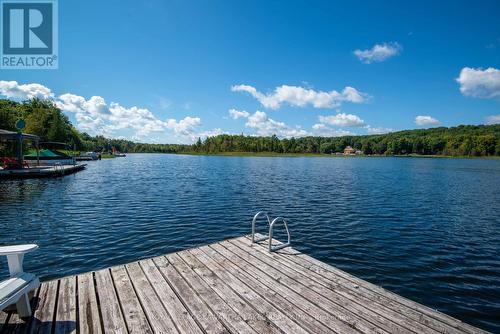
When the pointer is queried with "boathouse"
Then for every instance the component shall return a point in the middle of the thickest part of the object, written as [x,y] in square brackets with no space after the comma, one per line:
[349,150]
[18,138]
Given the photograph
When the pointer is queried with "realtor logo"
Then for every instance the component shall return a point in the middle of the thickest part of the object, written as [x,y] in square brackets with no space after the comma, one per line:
[29,34]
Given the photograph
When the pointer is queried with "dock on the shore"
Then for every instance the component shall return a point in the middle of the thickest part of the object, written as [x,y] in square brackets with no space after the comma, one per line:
[40,171]
[226,287]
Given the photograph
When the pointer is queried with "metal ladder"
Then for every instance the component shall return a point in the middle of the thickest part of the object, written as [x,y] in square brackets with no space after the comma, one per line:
[59,168]
[270,235]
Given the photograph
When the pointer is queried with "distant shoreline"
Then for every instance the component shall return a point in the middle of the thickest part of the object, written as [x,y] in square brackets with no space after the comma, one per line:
[319,155]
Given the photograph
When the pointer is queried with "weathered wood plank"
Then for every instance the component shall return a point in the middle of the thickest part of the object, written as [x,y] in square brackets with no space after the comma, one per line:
[208,319]
[424,314]
[333,321]
[88,310]
[66,306]
[15,324]
[132,311]
[227,287]
[392,310]
[224,312]
[378,314]
[4,318]
[159,318]
[341,308]
[43,317]
[112,317]
[258,321]
[462,327]
[280,319]
[286,305]
[180,315]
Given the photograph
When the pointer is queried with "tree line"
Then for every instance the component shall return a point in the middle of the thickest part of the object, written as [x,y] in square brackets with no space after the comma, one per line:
[44,119]
[463,140]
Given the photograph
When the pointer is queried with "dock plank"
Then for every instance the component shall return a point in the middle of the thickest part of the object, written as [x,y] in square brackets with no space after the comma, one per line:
[66,306]
[334,321]
[4,318]
[426,314]
[378,314]
[112,317]
[387,307]
[180,315]
[160,320]
[225,287]
[305,318]
[88,310]
[43,316]
[15,324]
[224,312]
[132,311]
[280,319]
[344,312]
[208,319]
[258,321]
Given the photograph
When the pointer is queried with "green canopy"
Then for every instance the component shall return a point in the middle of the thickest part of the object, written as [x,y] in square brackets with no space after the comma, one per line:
[47,154]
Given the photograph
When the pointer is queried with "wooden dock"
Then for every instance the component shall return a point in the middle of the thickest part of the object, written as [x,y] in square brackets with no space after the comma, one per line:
[40,171]
[226,287]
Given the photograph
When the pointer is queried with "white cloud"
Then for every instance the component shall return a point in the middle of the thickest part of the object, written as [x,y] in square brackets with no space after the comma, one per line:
[378,131]
[319,126]
[342,119]
[301,97]
[379,52]
[91,115]
[265,126]
[185,127]
[210,133]
[321,129]
[12,89]
[97,117]
[493,119]
[235,114]
[426,120]
[480,83]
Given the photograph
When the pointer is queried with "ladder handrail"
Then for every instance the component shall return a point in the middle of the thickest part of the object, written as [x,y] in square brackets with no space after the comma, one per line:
[58,167]
[269,237]
[257,215]
[275,248]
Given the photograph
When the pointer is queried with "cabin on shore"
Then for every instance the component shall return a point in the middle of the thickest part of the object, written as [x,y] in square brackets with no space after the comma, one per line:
[349,150]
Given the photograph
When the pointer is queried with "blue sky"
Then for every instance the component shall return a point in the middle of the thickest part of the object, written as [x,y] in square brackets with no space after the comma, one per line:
[185,64]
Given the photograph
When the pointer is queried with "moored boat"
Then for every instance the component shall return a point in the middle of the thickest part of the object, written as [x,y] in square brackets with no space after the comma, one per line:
[49,157]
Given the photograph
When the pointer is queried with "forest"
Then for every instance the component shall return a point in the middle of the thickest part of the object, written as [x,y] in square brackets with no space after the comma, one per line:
[463,140]
[48,122]
[44,119]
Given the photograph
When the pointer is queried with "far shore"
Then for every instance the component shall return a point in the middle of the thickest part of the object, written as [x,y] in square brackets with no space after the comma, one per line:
[274,154]
[298,155]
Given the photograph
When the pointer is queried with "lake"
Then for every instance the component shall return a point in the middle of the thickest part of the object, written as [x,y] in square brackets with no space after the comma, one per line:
[425,228]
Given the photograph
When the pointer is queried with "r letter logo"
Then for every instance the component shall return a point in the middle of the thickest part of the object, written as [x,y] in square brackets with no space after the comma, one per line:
[29,34]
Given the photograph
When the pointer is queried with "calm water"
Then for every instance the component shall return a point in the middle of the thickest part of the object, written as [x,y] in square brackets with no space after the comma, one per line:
[428,229]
